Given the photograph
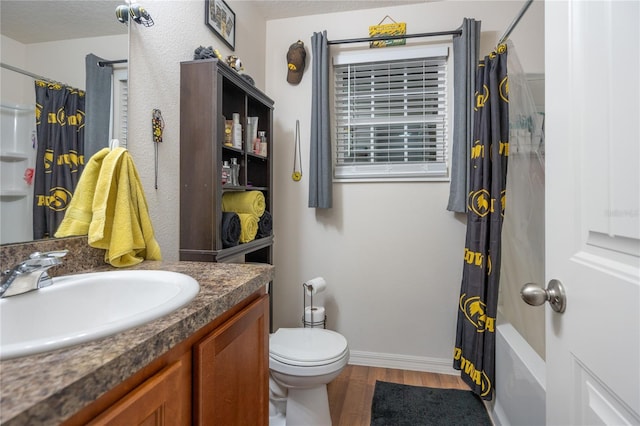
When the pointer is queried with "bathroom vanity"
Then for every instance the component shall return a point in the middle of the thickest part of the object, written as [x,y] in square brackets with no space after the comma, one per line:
[206,363]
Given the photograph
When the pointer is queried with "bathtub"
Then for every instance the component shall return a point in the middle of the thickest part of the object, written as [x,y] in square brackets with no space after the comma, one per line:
[520,381]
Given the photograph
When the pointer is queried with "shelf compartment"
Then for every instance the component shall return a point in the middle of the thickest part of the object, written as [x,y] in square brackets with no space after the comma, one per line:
[227,253]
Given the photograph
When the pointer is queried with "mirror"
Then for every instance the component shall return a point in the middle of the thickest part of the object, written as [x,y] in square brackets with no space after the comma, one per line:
[48,39]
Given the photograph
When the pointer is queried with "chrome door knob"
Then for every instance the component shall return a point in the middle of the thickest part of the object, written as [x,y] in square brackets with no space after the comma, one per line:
[535,295]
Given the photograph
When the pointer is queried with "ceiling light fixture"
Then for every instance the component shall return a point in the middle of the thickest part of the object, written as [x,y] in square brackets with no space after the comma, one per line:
[139,15]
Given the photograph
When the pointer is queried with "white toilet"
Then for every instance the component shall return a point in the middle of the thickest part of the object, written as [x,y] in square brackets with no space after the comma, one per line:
[302,361]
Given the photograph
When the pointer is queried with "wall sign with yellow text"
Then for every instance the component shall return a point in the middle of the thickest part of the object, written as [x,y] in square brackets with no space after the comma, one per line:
[383,30]
[392,29]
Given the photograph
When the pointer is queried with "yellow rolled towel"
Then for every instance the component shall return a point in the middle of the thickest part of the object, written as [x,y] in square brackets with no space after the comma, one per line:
[248,227]
[251,202]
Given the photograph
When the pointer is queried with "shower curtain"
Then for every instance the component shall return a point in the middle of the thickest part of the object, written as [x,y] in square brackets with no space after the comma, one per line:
[60,153]
[477,310]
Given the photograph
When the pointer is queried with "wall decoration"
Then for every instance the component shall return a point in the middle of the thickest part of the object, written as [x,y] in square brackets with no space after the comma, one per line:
[222,21]
[392,29]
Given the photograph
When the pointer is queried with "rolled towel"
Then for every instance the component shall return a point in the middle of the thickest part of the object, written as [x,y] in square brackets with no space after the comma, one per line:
[244,202]
[231,229]
[264,225]
[248,226]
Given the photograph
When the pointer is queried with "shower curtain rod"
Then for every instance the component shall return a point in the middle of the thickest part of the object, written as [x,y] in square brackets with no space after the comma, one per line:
[515,21]
[27,73]
[395,37]
[117,61]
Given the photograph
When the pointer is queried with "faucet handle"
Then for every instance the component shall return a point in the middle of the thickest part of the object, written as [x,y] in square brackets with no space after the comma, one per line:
[55,253]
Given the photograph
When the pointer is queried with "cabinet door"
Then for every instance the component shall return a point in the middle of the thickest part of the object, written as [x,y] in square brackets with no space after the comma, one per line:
[231,370]
[163,399]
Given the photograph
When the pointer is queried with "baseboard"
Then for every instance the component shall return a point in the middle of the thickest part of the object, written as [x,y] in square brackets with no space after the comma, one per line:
[403,362]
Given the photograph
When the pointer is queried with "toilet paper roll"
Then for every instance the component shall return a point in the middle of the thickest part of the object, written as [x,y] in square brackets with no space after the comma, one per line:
[315,286]
[314,315]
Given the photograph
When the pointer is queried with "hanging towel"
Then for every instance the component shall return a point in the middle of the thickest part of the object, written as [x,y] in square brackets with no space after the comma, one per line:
[248,227]
[264,225]
[231,229]
[244,202]
[121,224]
[80,211]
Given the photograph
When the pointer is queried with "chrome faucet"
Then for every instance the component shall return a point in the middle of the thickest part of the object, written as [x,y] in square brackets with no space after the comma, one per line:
[30,274]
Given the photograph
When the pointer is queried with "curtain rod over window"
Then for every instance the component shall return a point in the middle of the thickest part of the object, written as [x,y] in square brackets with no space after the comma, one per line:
[434,34]
[395,37]
[117,61]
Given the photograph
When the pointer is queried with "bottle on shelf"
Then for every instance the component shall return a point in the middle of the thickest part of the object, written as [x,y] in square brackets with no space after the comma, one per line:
[235,172]
[251,132]
[226,173]
[237,131]
[263,143]
[228,132]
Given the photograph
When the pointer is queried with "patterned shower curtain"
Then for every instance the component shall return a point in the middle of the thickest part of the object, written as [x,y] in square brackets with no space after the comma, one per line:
[474,353]
[60,154]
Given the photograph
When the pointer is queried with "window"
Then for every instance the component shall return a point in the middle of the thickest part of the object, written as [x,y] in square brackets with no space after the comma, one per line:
[391,114]
[120,106]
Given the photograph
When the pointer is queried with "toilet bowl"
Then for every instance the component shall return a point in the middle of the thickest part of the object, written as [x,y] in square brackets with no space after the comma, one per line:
[303,361]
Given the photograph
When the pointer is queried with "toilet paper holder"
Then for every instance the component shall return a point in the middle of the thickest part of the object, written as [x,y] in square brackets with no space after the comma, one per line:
[312,316]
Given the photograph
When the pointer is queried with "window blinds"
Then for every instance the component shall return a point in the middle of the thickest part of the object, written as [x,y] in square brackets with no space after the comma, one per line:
[391,118]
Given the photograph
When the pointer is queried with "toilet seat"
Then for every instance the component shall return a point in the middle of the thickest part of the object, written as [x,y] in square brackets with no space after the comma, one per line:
[307,347]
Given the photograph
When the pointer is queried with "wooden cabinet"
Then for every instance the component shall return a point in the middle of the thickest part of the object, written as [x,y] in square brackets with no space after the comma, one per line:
[160,400]
[218,376]
[210,93]
[238,395]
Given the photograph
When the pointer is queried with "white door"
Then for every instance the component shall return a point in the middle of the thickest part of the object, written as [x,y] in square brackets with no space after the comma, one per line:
[593,210]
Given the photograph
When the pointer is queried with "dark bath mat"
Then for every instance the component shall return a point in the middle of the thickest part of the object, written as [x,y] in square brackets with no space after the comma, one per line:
[404,405]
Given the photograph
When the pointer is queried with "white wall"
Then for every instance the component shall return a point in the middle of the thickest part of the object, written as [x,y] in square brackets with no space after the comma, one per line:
[391,253]
[154,82]
[14,87]
[62,61]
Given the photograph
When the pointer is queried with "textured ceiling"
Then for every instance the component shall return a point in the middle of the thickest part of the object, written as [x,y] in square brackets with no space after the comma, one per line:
[37,21]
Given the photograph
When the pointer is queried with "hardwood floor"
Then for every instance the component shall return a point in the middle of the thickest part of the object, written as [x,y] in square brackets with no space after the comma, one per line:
[351,392]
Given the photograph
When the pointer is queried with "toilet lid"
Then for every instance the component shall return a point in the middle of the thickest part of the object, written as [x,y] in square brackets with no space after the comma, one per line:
[306,345]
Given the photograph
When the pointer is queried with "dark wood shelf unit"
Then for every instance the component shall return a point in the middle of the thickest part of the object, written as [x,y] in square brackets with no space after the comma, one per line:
[210,92]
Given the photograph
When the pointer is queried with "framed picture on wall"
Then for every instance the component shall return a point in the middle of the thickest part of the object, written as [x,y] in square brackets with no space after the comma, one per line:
[222,21]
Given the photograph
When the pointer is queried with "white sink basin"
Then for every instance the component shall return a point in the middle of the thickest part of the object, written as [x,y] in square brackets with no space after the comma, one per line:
[81,308]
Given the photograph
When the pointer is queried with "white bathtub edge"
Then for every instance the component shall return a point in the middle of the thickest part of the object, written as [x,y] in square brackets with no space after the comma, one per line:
[520,381]
[530,358]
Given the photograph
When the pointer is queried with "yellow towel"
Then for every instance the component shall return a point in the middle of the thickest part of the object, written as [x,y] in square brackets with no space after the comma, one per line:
[121,224]
[80,210]
[244,202]
[248,227]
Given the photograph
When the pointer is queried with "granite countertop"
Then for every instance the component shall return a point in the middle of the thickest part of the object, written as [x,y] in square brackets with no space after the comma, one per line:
[48,388]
